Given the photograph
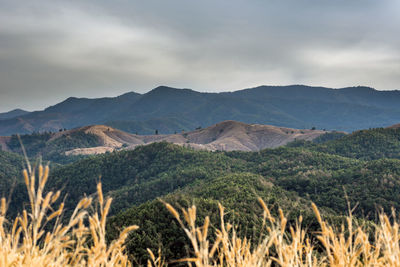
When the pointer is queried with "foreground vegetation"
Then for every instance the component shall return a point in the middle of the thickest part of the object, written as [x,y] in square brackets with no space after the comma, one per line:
[38,237]
[290,245]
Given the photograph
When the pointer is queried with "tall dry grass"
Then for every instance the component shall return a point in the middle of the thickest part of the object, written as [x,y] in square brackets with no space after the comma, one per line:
[286,245]
[39,238]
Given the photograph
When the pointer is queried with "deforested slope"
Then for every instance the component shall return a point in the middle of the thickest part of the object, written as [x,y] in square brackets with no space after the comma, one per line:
[98,139]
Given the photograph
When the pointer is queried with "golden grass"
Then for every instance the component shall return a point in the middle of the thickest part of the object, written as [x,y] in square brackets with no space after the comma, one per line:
[285,245]
[26,241]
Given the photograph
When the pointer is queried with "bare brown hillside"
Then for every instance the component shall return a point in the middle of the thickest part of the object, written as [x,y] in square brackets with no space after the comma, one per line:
[226,135]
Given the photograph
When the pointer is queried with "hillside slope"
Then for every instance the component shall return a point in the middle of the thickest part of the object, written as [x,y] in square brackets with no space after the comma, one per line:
[286,177]
[169,110]
[369,144]
[364,144]
[148,172]
[98,139]
[50,146]
[224,136]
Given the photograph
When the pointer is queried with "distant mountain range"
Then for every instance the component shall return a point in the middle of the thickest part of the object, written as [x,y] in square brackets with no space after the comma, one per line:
[170,110]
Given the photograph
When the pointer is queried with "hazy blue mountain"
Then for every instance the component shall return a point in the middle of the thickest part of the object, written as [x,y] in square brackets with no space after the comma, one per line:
[13,113]
[169,110]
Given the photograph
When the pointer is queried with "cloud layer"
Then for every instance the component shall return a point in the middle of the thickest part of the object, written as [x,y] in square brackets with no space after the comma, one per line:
[50,50]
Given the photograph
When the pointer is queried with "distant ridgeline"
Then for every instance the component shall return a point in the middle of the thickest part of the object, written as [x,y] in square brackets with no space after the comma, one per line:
[364,165]
[169,110]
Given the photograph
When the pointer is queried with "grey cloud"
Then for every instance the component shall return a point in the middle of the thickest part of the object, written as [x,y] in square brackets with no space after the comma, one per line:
[50,50]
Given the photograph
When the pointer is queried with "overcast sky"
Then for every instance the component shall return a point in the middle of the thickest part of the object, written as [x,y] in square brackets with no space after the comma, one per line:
[50,50]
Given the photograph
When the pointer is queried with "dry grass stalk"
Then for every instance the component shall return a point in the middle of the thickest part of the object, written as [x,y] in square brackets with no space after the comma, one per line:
[80,242]
[283,245]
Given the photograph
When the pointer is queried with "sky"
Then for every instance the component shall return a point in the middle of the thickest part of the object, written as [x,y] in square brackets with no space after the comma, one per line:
[51,50]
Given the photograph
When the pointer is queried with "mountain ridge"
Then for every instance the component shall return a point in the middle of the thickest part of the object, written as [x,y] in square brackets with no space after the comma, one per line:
[13,113]
[295,106]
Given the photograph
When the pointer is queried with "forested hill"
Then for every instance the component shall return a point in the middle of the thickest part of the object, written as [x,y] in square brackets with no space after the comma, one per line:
[148,172]
[286,177]
[11,166]
[51,146]
[364,144]
[170,110]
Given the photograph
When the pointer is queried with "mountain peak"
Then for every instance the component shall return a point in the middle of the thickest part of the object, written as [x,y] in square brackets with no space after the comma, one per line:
[169,90]
[128,94]
[163,88]
[18,110]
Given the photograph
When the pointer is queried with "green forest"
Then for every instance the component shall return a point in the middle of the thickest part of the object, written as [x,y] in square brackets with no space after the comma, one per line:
[46,146]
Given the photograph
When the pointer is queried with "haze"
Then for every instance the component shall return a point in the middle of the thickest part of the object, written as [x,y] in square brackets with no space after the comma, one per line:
[50,50]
